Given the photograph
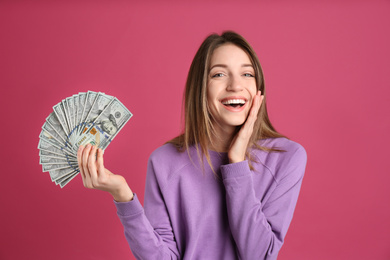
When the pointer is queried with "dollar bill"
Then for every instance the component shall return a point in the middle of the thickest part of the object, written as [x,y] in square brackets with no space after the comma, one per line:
[55,124]
[66,179]
[102,103]
[51,167]
[76,111]
[45,148]
[89,103]
[61,118]
[105,126]
[51,133]
[112,120]
[57,160]
[48,137]
[43,153]
[57,174]
[83,100]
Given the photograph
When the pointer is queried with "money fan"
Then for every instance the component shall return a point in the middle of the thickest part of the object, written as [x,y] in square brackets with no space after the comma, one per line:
[91,117]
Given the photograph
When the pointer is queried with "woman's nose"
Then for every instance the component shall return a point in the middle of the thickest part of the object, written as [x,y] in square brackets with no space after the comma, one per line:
[234,84]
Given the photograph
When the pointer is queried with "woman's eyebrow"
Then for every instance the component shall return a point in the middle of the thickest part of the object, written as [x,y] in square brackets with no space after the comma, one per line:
[218,65]
[225,66]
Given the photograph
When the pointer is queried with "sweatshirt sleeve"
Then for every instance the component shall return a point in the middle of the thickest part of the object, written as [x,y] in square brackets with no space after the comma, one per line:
[258,229]
[149,236]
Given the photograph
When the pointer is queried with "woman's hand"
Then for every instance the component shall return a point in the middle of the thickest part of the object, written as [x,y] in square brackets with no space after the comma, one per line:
[95,176]
[241,140]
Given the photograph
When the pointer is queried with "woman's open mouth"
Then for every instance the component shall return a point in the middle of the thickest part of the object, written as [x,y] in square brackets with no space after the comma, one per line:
[234,104]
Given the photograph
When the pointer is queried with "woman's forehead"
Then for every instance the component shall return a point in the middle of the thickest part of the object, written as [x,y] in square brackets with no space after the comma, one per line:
[229,55]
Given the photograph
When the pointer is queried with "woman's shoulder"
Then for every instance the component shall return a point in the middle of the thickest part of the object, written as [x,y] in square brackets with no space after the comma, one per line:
[281,143]
[169,156]
[290,159]
[284,144]
[165,152]
[167,161]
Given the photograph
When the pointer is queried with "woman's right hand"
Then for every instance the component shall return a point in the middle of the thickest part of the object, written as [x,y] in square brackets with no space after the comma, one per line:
[95,176]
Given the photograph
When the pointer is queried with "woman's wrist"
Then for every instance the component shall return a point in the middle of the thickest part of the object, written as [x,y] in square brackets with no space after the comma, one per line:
[236,159]
[123,194]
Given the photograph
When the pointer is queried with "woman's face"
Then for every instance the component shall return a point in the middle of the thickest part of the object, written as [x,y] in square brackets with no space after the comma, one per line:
[231,86]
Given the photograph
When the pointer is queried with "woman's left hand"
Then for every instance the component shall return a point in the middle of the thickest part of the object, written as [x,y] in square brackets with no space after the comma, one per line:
[241,140]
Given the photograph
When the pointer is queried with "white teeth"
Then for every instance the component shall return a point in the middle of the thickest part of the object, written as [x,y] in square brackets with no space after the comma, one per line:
[233,101]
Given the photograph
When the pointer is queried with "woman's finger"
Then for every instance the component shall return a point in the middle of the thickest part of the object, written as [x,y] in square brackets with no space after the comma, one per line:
[256,108]
[79,160]
[85,156]
[103,173]
[247,128]
[99,162]
[254,113]
[92,166]
[241,140]
[256,105]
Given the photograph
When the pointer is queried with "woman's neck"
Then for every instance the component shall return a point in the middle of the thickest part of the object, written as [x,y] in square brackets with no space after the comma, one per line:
[222,139]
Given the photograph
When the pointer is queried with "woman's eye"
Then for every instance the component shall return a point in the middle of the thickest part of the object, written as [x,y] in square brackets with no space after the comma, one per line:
[248,75]
[217,75]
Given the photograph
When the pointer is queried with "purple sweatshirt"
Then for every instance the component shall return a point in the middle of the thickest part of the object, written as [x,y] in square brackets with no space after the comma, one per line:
[241,214]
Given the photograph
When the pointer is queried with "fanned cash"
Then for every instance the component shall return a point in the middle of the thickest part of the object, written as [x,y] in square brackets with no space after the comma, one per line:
[91,117]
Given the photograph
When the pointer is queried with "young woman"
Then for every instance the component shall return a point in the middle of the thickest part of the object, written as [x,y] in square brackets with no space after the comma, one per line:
[224,189]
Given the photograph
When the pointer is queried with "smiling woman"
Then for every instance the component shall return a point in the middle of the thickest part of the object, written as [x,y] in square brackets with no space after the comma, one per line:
[226,188]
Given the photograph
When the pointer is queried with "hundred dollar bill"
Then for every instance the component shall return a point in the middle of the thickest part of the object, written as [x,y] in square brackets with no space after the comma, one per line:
[55,124]
[112,120]
[72,114]
[72,118]
[89,103]
[103,101]
[106,125]
[60,173]
[93,136]
[51,133]
[67,113]
[61,118]
[76,112]
[43,153]
[83,99]
[47,145]
[66,179]
[70,102]
[57,160]
[47,136]
[51,167]
[82,96]
[45,148]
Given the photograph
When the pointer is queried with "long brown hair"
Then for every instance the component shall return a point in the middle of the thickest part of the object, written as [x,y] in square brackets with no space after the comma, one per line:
[198,127]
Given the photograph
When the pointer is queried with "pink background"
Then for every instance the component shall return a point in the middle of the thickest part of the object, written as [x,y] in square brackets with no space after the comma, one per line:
[327,71]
